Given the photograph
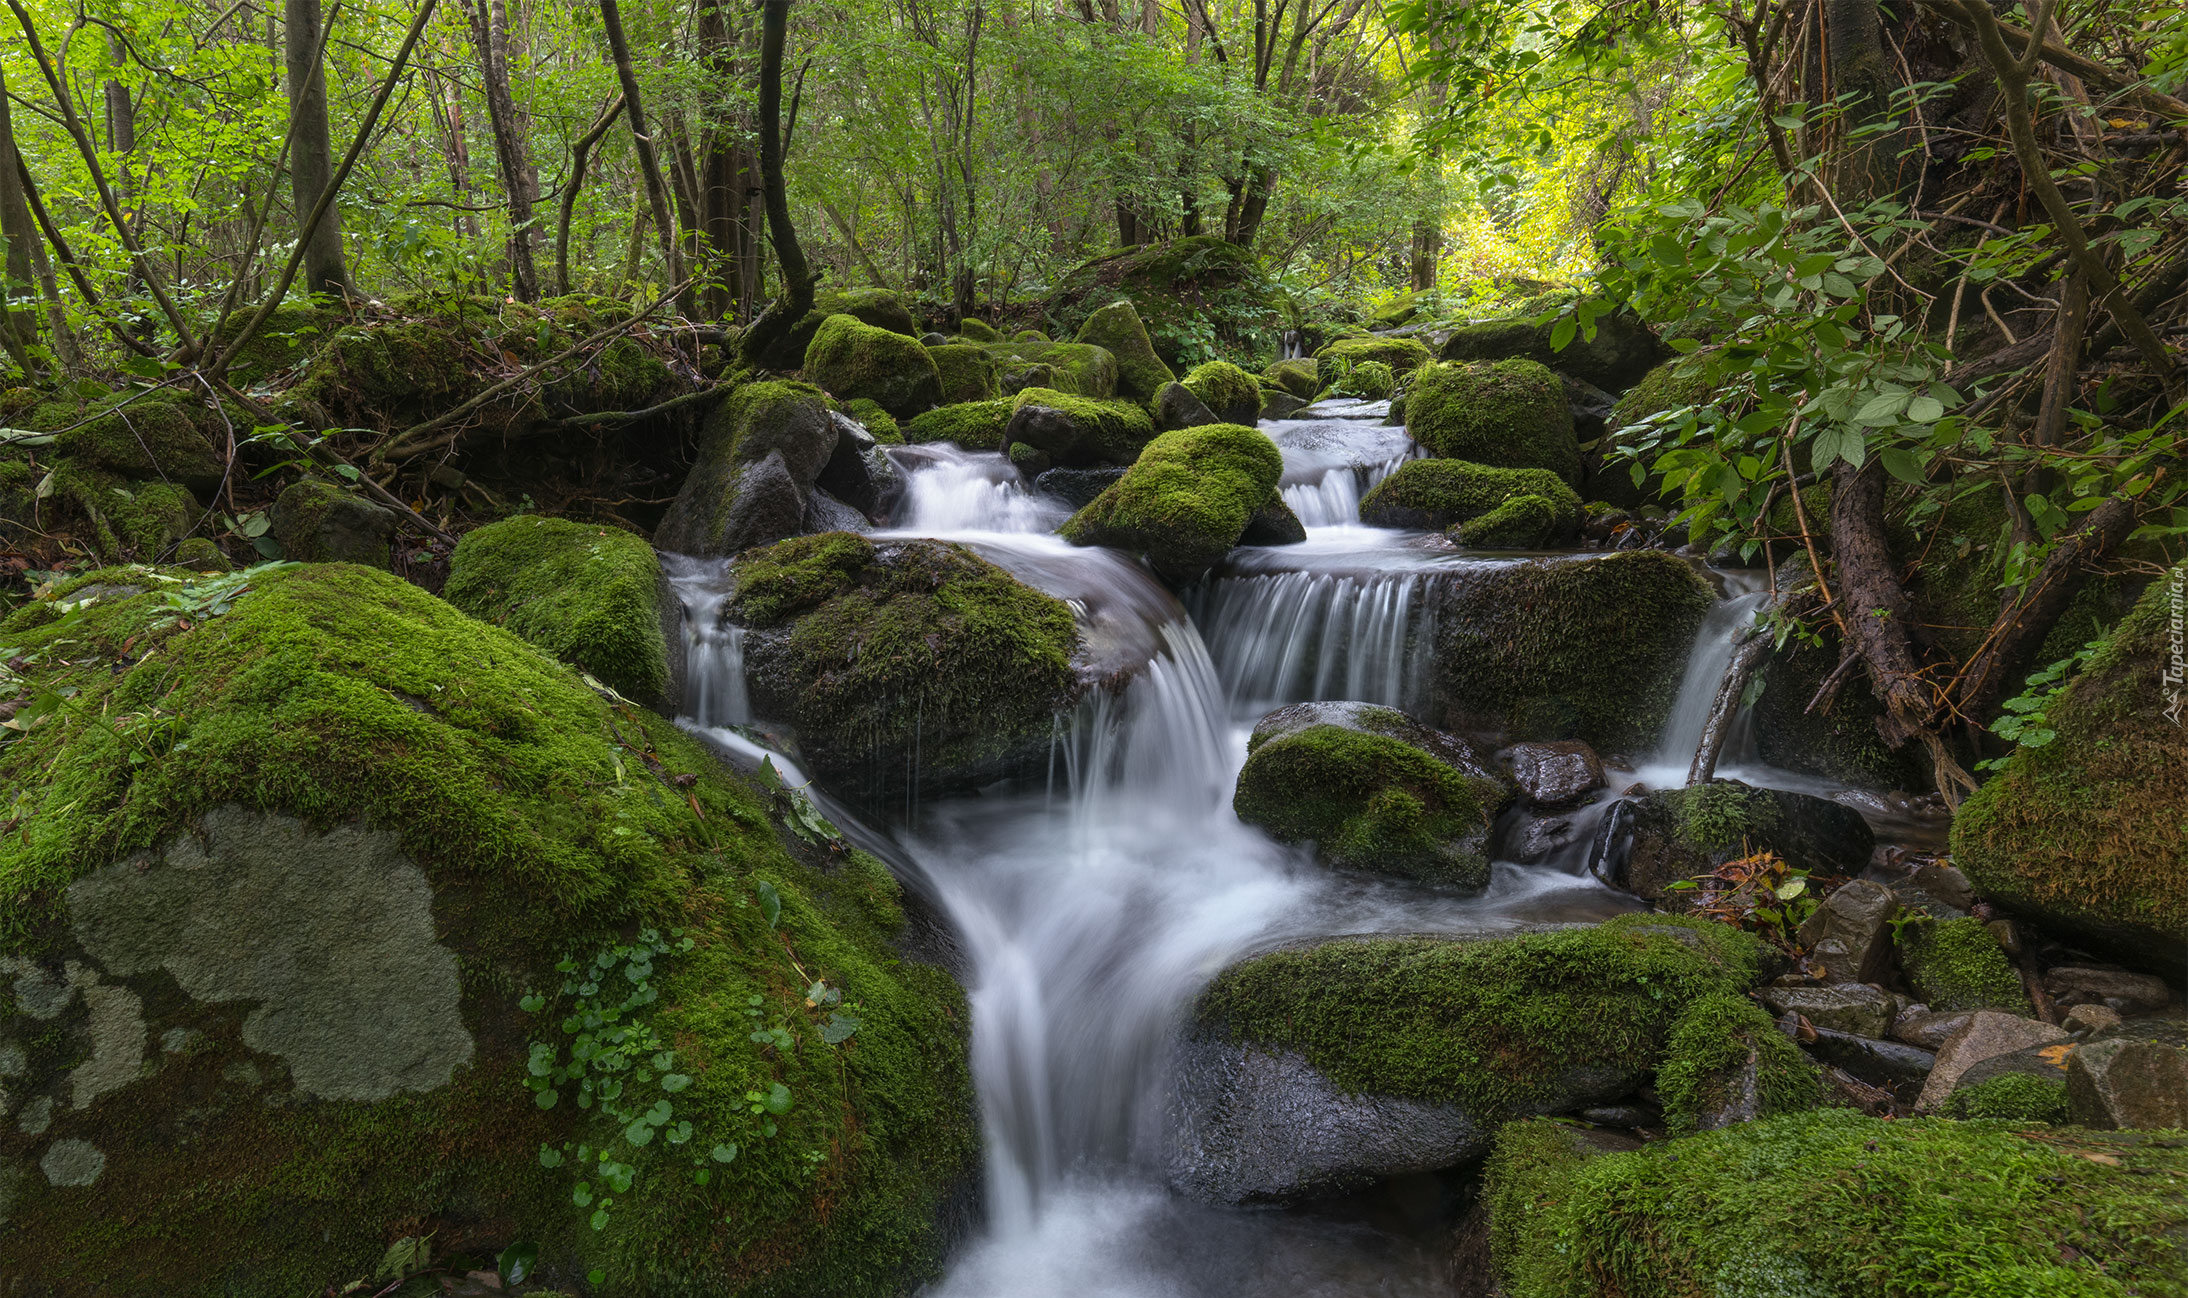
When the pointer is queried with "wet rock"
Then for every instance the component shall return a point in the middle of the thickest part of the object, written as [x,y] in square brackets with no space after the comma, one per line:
[1175,406]
[1373,789]
[1627,1117]
[1928,1028]
[858,472]
[1944,885]
[760,453]
[2043,1063]
[317,522]
[1078,430]
[1280,405]
[1273,524]
[2135,1075]
[1986,1035]
[1436,494]
[1540,837]
[1079,487]
[1881,1063]
[1843,1007]
[2128,993]
[1675,834]
[2082,1020]
[1556,774]
[1186,500]
[1849,935]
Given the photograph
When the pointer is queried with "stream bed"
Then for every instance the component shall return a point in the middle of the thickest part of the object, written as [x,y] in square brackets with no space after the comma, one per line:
[1092,910]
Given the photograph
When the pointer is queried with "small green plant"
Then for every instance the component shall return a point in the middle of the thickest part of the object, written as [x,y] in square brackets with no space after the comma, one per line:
[2027,720]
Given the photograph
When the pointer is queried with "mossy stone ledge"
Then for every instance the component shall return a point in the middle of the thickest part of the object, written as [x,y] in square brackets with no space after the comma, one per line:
[1116,328]
[585,593]
[1402,355]
[1436,494]
[1078,431]
[973,425]
[1231,394]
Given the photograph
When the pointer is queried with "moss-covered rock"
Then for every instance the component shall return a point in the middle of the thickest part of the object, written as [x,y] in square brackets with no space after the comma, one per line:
[1957,964]
[1029,336]
[1187,499]
[318,522]
[586,593]
[1369,380]
[1080,369]
[1194,295]
[2011,1097]
[1566,649]
[1653,842]
[126,519]
[1832,1204]
[1301,376]
[1373,789]
[1527,522]
[877,307]
[1116,329]
[1402,355]
[160,435]
[967,372]
[1727,1062]
[974,329]
[1512,414]
[1622,351]
[852,359]
[1230,393]
[974,425]
[760,453]
[878,422]
[1436,494]
[1078,431]
[911,665]
[288,338]
[2085,833]
[268,911]
[1837,743]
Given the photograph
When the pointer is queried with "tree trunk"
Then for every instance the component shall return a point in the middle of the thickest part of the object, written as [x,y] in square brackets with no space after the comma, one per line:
[797,298]
[311,157]
[21,235]
[649,163]
[580,155]
[512,148]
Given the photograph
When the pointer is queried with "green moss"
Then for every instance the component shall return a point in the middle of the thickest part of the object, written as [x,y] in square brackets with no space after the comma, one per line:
[1508,413]
[877,307]
[1080,369]
[128,520]
[1199,297]
[977,330]
[1670,386]
[1371,802]
[852,359]
[877,421]
[1706,1065]
[1720,816]
[2087,830]
[1081,430]
[919,648]
[161,435]
[1230,392]
[1838,743]
[288,338]
[1372,380]
[585,593]
[1486,1025]
[1521,523]
[974,425]
[1437,494]
[1186,500]
[1566,649]
[967,373]
[1302,377]
[201,554]
[1117,329]
[1957,964]
[1029,336]
[1832,1204]
[1402,355]
[2011,1097]
[546,819]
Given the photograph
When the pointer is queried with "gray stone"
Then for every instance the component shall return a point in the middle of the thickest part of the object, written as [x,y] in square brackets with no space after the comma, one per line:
[1850,933]
[1273,524]
[1280,405]
[1939,889]
[1930,1029]
[2084,1019]
[1176,407]
[13,1061]
[72,1162]
[858,472]
[2133,1076]
[2129,993]
[1541,836]
[329,937]
[1625,1116]
[1556,774]
[317,522]
[1880,1063]
[117,1031]
[2048,1062]
[1077,487]
[758,461]
[1843,1007]
[1986,1035]
[39,992]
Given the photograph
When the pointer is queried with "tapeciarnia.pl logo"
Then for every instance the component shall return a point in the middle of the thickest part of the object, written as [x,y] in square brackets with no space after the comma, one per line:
[2176,665]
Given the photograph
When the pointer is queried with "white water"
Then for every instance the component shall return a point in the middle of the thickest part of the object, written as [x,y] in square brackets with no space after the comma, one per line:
[1093,910]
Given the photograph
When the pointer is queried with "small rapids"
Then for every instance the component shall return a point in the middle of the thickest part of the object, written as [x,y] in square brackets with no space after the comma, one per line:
[1092,907]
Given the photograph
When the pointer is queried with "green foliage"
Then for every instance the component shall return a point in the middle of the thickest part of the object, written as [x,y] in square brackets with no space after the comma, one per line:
[2026,719]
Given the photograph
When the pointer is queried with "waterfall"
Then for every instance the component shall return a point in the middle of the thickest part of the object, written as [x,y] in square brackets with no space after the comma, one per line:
[714,661]
[1333,499]
[1290,636]
[1722,631]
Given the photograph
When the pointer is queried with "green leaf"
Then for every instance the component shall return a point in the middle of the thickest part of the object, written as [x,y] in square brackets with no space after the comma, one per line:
[771,902]
[675,1082]
[1904,465]
[514,1264]
[549,1156]
[839,1028]
[1925,410]
[778,1099]
[724,1154]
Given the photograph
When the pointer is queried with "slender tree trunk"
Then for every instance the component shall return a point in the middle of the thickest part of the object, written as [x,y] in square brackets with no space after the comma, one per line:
[649,163]
[311,158]
[797,297]
[512,148]
[580,155]
[20,233]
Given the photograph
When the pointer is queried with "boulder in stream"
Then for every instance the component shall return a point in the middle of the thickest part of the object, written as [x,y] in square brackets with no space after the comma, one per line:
[1508,414]
[1556,774]
[852,359]
[1373,789]
[1230,393]
[759,455]
[966,372]
[1175,406]
[1615,354]
[1649,843]
[972,425]
[1727,1062]
[1402,355]
[903,666]
[1078,430]
[1436,494]
[1186,501]
[1310,1070]
[277,949]
[1116,328]
[1301,376]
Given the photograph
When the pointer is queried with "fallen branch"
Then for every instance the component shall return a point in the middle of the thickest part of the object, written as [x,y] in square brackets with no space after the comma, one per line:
[700,397]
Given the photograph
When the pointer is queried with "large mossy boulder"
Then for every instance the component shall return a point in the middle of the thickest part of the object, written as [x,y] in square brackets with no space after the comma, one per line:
[1230,393]
[1080,369]
[760,453]
[1311,1070]
[1373,789]
[1649,845]
[1078,431]
[1116,329]
[1588,649]
[153,435]
[877,307]
[966,371]
[1189,293]
[586,593]
[1621,351]
[1402,355]
[1833,1204]
[906,666]
[1186,501]
[1436,494]
[2085,834]
[1509,414]
[271,905]
[972,425]
[1300,376]
[1727,1062]
[853,360]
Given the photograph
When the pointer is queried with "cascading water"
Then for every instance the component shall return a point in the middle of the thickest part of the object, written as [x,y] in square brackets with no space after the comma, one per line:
[1728,621]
